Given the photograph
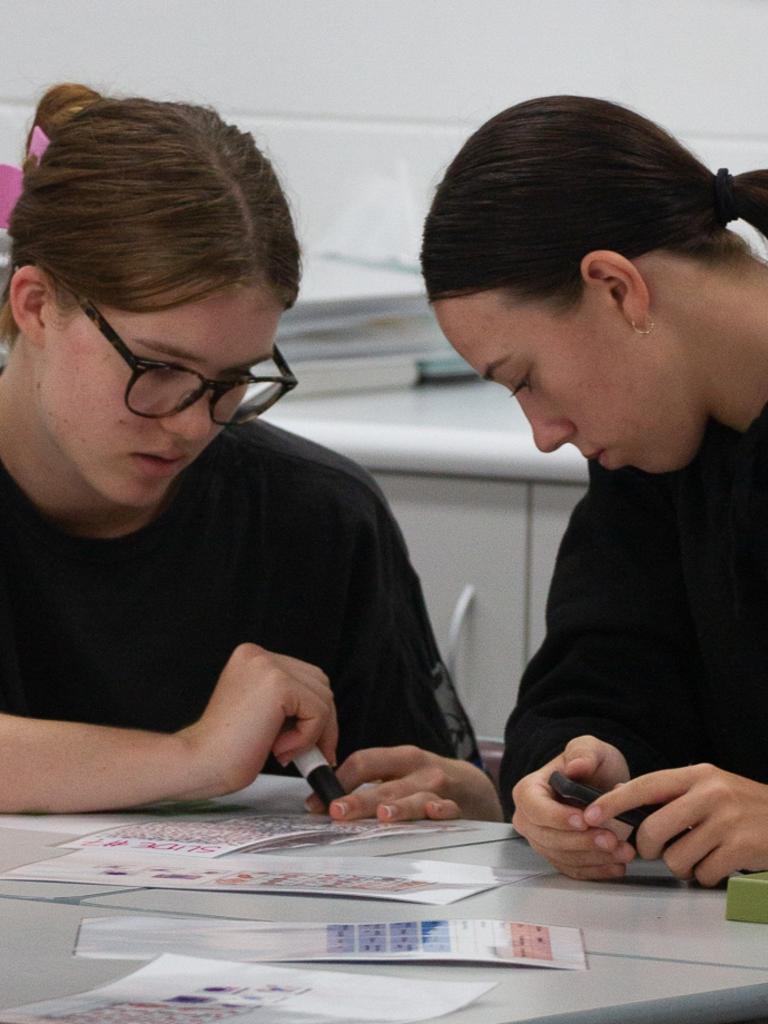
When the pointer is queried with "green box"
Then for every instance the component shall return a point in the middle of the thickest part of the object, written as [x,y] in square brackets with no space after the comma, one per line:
[747,898]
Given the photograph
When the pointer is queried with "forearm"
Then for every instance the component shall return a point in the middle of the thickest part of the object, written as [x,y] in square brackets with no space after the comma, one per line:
[70,766]
[620,659]
[53,766]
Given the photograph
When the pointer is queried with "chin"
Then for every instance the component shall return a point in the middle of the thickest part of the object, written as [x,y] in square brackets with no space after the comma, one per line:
[662,462]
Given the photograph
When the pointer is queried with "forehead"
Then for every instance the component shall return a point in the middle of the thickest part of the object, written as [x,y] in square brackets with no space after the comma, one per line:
[462,312]
[238,325]
[484,327]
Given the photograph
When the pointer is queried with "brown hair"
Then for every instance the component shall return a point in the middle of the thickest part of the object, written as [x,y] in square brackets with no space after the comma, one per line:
[142,205]
[547,181]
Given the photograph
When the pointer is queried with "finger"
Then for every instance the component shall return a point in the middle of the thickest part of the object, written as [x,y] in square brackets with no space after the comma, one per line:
[599,873]
[364,801]
[653,788]
[440,809]
[715,867]
[534,798]
[663,827]
[313,723]
[351,808]
[328,739]
[359,804]
[582,757]
[684,856]
[562,839]
[589,858]
[414,807]
[380,763]
[315,805]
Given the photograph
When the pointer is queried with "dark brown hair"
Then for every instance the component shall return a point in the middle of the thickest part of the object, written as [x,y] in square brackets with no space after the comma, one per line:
[547,181]
[142,205]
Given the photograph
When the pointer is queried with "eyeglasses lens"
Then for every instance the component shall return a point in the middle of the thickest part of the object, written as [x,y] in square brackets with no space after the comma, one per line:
[246,401]
[162,391]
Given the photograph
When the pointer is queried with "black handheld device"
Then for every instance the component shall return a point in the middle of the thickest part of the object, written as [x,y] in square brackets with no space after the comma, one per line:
[579,794]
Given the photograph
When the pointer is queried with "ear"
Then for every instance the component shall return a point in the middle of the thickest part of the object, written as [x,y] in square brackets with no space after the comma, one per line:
[614,280]
[32,301]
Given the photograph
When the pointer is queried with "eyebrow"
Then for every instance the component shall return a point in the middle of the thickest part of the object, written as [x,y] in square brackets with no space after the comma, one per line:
[490,370]
[172,352]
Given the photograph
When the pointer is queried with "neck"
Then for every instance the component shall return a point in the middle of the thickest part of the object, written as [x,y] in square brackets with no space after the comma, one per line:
[720,315]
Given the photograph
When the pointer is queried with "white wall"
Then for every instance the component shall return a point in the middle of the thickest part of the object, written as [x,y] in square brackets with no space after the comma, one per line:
[362,102]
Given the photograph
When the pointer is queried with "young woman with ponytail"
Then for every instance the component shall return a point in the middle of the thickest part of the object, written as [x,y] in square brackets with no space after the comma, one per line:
[579,256]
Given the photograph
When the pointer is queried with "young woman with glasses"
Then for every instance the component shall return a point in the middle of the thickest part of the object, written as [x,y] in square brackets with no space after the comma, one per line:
[184,590]
[579,256]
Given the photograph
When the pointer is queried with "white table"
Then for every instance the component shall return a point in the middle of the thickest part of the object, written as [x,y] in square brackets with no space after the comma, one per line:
[658,950]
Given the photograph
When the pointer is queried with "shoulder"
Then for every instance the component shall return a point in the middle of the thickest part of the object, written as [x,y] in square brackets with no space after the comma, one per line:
[270,458]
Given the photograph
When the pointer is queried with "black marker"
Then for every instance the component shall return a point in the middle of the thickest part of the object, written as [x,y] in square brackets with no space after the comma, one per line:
[578,794]
[319,774]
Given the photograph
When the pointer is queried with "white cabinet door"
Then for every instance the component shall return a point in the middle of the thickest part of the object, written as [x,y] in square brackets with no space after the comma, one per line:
[460,532]
[551,506]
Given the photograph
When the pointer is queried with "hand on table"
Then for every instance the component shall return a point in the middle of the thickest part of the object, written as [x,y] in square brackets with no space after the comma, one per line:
[410,783]
[721,820]
[262,702]
[558,831]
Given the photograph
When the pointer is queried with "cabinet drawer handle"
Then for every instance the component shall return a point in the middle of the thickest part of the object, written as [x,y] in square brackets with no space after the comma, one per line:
[455,630]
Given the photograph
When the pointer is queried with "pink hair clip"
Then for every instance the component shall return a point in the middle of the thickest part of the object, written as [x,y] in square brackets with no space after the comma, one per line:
[38,143]
[12,178]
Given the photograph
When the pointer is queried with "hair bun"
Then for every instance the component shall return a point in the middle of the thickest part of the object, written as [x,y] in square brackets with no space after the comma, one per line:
[60,103]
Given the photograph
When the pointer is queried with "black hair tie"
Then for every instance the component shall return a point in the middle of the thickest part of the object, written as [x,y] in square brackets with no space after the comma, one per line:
[725,200]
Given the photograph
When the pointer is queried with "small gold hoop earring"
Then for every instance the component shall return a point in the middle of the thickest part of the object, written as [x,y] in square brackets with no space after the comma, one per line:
[640,330]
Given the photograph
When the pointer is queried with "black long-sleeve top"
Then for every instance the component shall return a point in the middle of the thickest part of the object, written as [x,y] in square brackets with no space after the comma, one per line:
[657,619]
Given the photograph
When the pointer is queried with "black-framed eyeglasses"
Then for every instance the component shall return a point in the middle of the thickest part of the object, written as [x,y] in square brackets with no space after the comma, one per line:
[157,389]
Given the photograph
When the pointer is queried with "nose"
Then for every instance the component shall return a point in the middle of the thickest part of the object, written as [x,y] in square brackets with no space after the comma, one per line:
[193,424]
[549,434]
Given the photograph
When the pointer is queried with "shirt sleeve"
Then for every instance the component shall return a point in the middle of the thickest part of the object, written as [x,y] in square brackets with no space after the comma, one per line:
[391,685]
[620,659]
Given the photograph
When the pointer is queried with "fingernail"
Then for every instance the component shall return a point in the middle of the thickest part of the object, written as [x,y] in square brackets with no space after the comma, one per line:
[341,807]
[575,821]
[593,815]
[602,841]
[386,811]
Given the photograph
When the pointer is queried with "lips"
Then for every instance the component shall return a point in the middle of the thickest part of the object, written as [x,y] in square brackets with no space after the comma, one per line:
[165,457]
[161,467]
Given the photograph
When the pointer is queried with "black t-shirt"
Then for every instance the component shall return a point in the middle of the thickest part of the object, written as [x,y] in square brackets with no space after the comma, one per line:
[269,539]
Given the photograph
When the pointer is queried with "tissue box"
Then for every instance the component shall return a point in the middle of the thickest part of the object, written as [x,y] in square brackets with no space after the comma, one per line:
[747,898]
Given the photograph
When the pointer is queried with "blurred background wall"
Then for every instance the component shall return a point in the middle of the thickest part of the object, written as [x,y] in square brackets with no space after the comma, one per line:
[362,102]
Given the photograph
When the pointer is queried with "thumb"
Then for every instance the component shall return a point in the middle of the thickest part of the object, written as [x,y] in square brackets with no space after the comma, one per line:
[582,757]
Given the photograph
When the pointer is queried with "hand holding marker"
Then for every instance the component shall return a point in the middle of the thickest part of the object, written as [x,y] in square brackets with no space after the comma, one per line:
[319,774]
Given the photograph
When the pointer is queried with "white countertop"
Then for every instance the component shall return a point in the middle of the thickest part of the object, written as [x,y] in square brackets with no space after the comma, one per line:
[468,429]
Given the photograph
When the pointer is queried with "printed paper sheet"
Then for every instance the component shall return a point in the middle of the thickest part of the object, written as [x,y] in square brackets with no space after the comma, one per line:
[142,937]
[185,990]
[213,838]
[413,881]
